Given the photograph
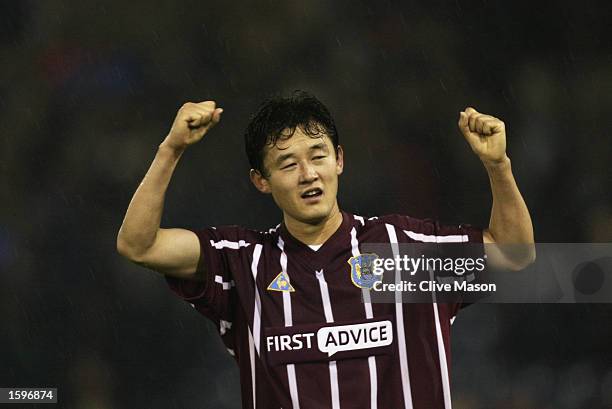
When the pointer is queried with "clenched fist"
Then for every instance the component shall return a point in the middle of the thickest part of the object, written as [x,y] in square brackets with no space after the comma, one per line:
[192,122]
[485,134]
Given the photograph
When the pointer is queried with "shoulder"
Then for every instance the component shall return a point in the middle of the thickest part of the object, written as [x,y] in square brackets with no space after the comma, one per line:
[422,230]
[395,220]
[234,236]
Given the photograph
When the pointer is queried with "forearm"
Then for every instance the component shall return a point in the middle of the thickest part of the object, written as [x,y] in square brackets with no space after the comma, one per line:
[510,221]
[142,219]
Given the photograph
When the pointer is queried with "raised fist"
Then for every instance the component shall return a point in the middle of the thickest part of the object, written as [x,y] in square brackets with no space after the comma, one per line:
[485,134]
[192,122]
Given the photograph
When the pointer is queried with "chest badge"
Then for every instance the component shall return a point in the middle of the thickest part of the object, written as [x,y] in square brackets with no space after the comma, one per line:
[362,270]
[281,283]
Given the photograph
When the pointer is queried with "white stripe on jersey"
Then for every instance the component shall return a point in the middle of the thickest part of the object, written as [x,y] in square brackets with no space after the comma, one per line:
[329,315]
[329,318]
[430,238]
[360,219]
[224,326]
[399,318]
[273,229]
[443,363]
[295,403]
[441,350]
[254,337]
[225,284]
[293,391]
[221,244]
[257,306]
[252,361]
[367,303]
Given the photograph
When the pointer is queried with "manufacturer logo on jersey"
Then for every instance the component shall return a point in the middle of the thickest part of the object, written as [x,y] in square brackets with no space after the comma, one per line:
[281,283]
[362,270]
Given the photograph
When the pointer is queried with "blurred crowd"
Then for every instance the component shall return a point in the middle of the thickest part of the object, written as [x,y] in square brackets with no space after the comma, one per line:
[89,90]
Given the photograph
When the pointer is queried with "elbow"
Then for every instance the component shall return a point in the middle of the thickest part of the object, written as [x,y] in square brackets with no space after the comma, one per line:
[532,255]
[128,251]
[527,258]
[123,248]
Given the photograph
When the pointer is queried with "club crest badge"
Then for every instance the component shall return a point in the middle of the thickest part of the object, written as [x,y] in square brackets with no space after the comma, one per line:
[362,270]
[281,283]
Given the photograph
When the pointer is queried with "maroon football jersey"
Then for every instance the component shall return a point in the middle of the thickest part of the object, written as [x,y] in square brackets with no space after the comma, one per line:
[305,335]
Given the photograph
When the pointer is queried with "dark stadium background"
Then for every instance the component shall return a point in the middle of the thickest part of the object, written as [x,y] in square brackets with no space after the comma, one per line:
[89,89]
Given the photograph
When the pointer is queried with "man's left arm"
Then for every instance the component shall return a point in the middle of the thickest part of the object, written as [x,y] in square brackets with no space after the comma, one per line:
[510,224]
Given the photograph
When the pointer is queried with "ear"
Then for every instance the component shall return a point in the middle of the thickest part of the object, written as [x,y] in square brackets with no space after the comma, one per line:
[259,181]
[339,160]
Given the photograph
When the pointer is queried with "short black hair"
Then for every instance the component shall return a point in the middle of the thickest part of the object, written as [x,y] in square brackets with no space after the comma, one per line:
[278,113]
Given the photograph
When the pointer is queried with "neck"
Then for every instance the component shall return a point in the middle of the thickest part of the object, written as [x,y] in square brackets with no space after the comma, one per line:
[315,233]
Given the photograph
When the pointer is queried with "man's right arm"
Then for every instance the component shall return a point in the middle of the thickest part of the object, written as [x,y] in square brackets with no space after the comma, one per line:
[174,252]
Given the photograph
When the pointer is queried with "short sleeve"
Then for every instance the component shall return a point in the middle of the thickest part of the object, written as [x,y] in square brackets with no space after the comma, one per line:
[428,230]
[215,296]
[466,236]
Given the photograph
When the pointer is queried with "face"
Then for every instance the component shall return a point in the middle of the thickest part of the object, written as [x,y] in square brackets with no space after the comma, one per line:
[302,176]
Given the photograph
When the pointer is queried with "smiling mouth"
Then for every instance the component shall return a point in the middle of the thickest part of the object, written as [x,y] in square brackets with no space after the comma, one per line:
[312,193]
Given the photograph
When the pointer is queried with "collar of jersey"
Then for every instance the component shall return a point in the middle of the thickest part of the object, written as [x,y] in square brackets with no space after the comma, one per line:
[317,259]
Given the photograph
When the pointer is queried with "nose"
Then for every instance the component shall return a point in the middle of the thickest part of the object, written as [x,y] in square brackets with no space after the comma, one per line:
[308,173]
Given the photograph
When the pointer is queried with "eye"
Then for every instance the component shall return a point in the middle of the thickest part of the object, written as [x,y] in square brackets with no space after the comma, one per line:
[319,157]
[289,166]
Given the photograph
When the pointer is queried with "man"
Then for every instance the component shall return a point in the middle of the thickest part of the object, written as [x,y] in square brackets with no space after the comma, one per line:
[282,299]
